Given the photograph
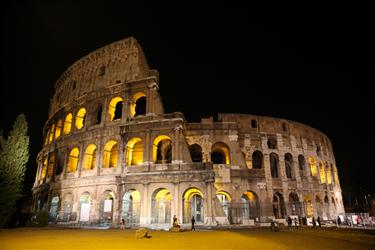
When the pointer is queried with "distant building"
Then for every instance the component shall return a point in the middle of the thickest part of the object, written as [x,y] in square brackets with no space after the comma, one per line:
[110,152]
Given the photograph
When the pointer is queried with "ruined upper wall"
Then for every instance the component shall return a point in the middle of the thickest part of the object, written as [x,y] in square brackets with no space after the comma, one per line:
[119,62]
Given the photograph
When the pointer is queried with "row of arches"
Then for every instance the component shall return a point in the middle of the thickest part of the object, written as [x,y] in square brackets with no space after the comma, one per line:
[114,112]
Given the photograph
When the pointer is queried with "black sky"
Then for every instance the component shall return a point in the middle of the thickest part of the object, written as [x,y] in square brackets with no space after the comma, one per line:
[311,64]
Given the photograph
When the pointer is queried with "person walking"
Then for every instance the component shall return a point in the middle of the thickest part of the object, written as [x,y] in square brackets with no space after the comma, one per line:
[338,221]
[122,224]
[296,222]
[318,220]
[192,223]
[314,222]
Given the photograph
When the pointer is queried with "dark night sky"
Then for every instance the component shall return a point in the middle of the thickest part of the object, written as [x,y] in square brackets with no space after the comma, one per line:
[305,63]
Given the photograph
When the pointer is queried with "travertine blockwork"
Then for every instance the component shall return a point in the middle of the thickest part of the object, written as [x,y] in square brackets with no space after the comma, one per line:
[110,152]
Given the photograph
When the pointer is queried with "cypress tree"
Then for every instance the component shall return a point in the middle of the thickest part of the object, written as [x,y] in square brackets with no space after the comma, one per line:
[14,154]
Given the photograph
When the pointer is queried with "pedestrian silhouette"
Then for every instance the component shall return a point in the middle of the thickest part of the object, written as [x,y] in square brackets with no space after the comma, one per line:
[318,220]
[192,223]
[314,222]
[338,221]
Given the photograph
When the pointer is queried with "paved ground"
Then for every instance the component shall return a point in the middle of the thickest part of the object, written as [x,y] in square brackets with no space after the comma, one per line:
[56,239]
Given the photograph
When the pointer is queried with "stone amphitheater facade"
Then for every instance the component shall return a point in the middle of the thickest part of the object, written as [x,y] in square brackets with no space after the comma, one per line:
[110,152]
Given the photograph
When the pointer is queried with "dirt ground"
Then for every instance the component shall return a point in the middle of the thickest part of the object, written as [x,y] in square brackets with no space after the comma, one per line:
[56,239]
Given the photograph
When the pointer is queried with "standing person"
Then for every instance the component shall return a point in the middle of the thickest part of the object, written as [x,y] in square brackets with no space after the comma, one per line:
[314,222]
[338,221]
[122,224]
[318,220]
[192,223]
[296,222]
[289,222]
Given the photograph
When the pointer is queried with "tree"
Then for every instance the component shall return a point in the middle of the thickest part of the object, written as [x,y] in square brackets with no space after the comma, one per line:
[14,154]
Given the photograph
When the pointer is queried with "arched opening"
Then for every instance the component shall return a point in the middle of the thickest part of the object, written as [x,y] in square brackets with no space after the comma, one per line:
[312,166]
[51,164]
[328,173]
[220,153]
[274,164]
[319,205]
[322,173]
[333,203]
[98,114]
[73,160]
[68,124]
[51,133]
[295,205]
[335,175]
[131,207]
[44,169]
[250,206]
[134,152]
[257,158]
[288,158]
[301,162]
[278,206]
[195,153]
[67,207]
[162,149]
[225,200]
[308,206]
[46,137]
[80,118]
[272,143]
[59,125]
[107,207]
[115,109]
[138,105]
[85,202]
[89,161]
[326,208]
[193,205]
[53,211]
[110,154]
[161,206]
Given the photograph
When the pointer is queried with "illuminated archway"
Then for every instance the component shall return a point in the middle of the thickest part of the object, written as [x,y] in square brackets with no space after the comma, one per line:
[115,108]
[319,206]
[53,211]
[80,118]
[162,149]
[67,207]
[131,207]
[220,153]
[110,154]
[134,152]
[295,205]
[322,173]
[328,173]
[89,160]
[106,208]
[312,166]
[68,124]
[249,205]
[59,125]
[278,206]
[73,160]
[85,209]
[336,176]
[224,199]
[161,206]
[51,133]
[44,169]
[51,164]
[193,205]
[138,104]
[308,206]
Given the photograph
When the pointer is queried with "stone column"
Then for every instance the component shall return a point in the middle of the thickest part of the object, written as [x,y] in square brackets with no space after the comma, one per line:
[145,217]
[147,156]
[176,144]
[80,159]
[176,202]
[152,88]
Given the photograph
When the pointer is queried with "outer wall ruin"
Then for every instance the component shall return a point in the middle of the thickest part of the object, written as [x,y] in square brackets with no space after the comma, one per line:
[110,152]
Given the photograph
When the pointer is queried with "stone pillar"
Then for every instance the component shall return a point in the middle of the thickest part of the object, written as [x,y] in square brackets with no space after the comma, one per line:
[80,159]
[126,106]
[99,157]
[176,144]
[209,220]
[177,201]
[152,88]
[147,156]
[145,217]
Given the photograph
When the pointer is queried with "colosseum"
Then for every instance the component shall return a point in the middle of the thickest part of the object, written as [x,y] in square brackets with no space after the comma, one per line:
[110,152]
